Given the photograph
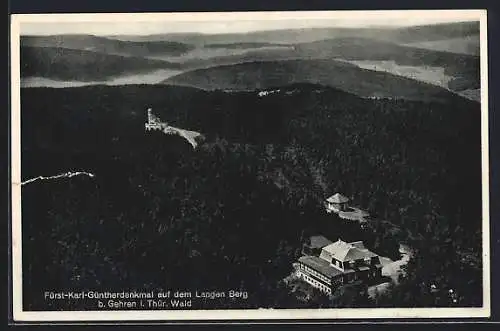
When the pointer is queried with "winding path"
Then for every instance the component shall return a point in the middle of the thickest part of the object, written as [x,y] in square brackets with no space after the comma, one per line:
[68,174]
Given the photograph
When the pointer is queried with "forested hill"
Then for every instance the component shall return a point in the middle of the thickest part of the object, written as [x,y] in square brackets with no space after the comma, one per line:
[340,75]
[158,214]
[82,65]
[106,45]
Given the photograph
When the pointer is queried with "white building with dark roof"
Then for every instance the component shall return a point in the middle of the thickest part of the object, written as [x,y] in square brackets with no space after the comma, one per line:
[339,263]
[339,204]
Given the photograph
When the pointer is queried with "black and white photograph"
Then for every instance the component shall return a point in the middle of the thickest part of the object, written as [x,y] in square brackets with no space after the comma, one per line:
[250,165]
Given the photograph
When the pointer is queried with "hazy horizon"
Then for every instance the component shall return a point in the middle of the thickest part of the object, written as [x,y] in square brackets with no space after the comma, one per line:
[118,25]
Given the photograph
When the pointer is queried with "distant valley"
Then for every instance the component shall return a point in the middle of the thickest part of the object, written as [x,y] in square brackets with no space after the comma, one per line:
[427,74]
[149,78]
[206,56]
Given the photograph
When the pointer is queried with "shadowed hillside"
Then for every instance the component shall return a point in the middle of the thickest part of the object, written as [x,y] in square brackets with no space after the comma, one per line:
[341,75]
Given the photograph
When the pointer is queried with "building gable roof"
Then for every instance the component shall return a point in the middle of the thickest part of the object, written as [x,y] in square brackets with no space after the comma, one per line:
[343,251]
[337,198]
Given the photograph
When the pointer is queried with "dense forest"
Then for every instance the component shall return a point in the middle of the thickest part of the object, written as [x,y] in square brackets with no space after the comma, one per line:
[233,213]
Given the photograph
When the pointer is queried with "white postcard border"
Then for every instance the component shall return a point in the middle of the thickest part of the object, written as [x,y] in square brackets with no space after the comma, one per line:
[19,315]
